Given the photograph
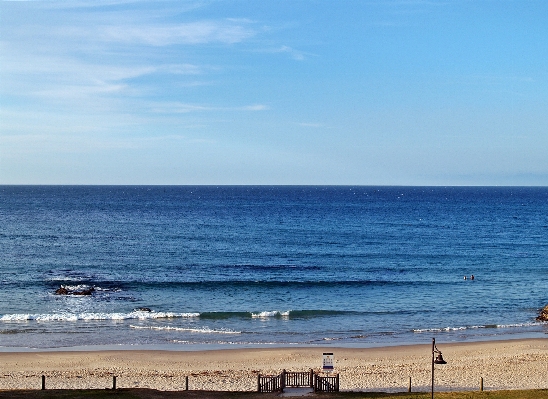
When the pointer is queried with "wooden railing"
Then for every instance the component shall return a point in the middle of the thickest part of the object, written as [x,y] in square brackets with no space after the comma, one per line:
[326,383]
[306,379]
[298,379]
[270,383]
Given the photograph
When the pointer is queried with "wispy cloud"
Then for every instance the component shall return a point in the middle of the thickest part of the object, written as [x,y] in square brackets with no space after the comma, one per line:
[293,53]
[32,74]
[199,32]
[110,56]
[182,108]
[81,143]
[255,107]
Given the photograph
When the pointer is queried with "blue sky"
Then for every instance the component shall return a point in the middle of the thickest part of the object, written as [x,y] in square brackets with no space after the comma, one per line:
[380,92]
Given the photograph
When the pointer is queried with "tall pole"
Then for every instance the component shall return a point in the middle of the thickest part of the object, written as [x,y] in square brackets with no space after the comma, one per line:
[433,346]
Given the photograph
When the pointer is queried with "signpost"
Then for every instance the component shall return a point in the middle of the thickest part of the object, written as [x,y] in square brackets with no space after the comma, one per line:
[328,362]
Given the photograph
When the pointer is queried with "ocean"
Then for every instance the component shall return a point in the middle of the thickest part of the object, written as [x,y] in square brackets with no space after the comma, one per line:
[209,267]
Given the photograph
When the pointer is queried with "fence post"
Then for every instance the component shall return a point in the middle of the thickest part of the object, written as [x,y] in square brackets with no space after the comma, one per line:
[409,385]
[258,382]
[43,382]
[186,383]
[481,383]
[311,378]
[113,382]
[282,383]
[337,382]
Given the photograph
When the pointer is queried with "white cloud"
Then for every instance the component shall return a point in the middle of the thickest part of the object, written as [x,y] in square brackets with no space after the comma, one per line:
[199,32]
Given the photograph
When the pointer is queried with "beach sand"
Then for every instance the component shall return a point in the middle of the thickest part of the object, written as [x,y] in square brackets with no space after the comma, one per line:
[513,364]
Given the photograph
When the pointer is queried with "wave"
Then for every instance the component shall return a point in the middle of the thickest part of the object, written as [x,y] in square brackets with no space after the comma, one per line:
[145,313]
[141,315]
[276,314]
[272,313]
[224,315]
[82,287]
[204,330]
[241,343]
[462,328]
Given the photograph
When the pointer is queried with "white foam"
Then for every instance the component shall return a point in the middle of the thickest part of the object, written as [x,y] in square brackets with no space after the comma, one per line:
[272,313]
[79,287]
[95,316]
[517,325]
[530,324]
[204,330]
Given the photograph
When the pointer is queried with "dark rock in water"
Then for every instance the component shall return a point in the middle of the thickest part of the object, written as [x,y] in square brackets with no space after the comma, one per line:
[63,291]
[143,310]
[543,314]
[83,292]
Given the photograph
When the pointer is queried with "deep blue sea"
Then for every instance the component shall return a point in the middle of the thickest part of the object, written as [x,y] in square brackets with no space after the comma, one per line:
[240,266]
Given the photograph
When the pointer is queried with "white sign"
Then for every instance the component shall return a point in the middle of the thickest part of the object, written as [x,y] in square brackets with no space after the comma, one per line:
[328,361]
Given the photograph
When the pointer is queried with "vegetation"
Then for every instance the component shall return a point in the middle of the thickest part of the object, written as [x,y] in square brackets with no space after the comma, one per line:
[154,394]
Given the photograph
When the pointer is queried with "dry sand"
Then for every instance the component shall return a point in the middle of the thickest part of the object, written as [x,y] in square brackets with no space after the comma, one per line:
[515,364]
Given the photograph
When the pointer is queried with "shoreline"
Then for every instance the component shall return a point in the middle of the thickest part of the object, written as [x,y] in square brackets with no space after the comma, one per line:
[201,347]
[503,364]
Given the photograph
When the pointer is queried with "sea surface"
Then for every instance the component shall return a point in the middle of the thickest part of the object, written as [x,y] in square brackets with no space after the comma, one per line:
[208,267]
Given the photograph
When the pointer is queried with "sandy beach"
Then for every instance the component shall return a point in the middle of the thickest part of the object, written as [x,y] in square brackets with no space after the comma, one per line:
[513,364]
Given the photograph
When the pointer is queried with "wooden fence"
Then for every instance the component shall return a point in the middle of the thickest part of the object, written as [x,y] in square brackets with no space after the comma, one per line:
[269,383]
[277,383]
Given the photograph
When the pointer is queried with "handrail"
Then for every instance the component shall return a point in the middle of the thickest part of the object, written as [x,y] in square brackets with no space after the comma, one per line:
[304,379]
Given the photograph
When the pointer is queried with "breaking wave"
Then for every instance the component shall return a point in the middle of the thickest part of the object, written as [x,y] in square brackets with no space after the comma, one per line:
[141,315]
[147,314]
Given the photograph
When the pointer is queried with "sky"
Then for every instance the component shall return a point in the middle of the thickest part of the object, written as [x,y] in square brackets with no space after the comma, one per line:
[299,92]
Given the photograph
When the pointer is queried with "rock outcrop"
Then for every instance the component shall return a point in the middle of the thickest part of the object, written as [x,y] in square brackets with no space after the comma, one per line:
[543,316]
[64,291]
[61,291]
